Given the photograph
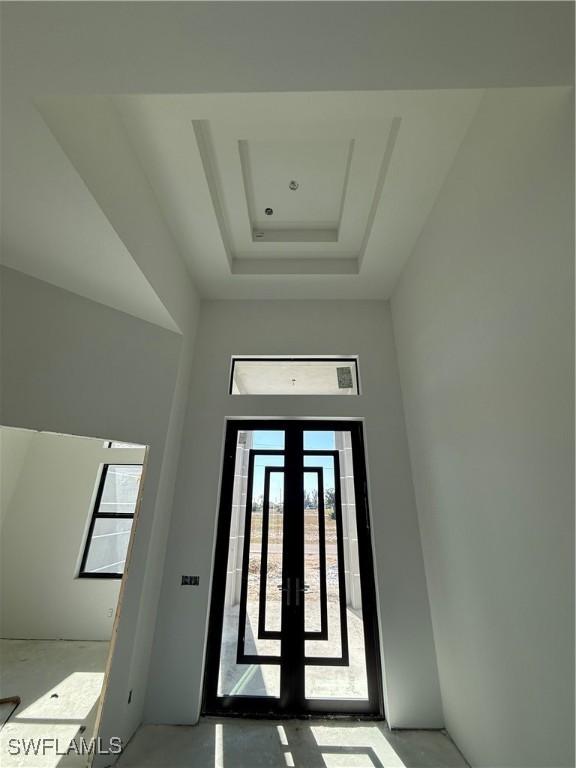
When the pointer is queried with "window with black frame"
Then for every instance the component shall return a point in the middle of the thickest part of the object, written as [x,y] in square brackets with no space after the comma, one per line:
[111,524]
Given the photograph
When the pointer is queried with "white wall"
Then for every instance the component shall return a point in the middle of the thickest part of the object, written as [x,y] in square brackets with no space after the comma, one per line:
[73,366]
[483,318]
[14,444]
[43,536]
[300,327]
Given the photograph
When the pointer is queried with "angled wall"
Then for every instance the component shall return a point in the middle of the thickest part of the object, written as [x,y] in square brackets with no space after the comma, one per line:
[483,320]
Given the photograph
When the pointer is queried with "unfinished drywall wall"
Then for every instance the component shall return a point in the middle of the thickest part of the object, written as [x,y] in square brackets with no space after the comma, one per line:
[71,365]
[43,537]
[483,318]
[290,328]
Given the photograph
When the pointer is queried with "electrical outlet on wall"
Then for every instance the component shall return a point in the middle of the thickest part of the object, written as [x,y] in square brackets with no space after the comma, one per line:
[110,612]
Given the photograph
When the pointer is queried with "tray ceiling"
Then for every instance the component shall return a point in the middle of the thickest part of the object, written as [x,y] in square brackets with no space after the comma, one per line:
[279,195]
[278,198]
[367,165]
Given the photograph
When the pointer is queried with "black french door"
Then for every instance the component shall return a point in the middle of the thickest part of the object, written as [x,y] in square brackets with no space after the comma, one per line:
[293,626]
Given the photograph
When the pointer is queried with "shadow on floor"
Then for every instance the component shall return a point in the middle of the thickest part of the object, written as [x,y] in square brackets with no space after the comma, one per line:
[241,743]
[59,682]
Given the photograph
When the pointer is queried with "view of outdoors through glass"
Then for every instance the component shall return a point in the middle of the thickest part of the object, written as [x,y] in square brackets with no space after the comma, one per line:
[108,540]
[256,595]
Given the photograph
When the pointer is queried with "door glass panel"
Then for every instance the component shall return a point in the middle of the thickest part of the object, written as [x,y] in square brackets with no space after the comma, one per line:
[319,440]
[314,553]
[273,571]
[331,645]
[264,549]
[249,657]
[268,438]
[344,645]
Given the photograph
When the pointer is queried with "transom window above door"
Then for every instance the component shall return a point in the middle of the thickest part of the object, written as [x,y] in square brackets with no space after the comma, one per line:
[294,376]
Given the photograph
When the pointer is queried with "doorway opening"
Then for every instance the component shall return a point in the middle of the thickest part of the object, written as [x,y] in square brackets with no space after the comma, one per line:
[293,624]
[69,507]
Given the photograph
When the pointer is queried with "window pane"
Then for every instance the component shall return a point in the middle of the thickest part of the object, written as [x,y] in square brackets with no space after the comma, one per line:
[108,546]
[115,444]
[300,376]
[120,491]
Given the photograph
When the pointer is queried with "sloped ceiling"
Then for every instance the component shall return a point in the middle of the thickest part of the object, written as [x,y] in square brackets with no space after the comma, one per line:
[53,228]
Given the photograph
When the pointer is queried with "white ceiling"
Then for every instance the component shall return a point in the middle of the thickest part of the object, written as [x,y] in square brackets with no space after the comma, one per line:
[109,195]
[320,168]
[369,166]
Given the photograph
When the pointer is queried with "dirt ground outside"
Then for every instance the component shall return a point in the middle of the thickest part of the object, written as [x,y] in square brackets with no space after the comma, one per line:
[311,555]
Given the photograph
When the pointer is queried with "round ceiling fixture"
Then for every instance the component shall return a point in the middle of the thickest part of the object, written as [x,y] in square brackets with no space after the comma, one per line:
[293,185]
[268,211]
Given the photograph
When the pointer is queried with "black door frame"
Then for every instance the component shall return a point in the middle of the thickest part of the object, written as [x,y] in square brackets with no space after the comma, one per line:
[293,634]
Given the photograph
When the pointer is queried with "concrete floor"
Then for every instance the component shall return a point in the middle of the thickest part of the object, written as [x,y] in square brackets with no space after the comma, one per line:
[59,682]
[240,743]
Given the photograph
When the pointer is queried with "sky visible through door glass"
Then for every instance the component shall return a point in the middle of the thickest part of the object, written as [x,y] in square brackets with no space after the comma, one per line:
[314,440]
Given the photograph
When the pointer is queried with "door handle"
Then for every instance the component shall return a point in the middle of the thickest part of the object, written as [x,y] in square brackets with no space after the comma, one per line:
[285,589]
[300,590]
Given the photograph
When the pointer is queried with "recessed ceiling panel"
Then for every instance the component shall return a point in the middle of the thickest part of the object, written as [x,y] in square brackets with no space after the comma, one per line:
[367,167]
[295,190]
[295,198]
